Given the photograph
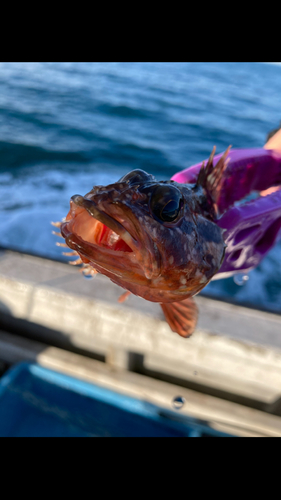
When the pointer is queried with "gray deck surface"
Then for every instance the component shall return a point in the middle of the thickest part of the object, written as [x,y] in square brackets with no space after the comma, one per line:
[234,354]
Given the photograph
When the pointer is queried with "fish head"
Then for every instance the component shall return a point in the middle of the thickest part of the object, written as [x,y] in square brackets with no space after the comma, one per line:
[149,237]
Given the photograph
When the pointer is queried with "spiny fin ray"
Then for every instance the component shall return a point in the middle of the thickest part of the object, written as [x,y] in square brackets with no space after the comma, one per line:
[57,234]
[75,262]
[123,297]
[210,177]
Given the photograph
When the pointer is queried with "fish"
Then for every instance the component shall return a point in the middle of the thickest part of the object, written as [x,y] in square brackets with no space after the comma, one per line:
[156,239]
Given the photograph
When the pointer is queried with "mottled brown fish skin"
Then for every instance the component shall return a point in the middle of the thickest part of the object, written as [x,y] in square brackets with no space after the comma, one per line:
[158,240]
[159,260]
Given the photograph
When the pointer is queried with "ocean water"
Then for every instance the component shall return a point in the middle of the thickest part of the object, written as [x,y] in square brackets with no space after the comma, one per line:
[65,127]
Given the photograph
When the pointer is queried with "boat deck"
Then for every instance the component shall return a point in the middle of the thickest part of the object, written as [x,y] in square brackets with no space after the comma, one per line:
[228,372]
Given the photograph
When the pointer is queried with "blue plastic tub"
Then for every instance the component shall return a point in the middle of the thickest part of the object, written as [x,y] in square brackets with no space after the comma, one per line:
[35,401]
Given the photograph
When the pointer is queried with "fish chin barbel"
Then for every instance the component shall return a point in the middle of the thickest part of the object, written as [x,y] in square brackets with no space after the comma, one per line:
[251,229]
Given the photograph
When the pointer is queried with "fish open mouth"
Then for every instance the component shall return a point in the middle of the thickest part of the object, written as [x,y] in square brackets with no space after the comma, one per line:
[105,237]
[102,240]
[96,228]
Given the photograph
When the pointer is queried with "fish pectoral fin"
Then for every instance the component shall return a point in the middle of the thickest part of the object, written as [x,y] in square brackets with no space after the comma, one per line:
[181,316]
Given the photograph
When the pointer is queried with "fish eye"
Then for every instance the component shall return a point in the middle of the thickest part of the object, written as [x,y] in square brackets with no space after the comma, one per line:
[136,176]
[166,202]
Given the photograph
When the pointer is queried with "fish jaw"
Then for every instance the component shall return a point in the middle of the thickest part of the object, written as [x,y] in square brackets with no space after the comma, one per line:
[102,241]
[183,271]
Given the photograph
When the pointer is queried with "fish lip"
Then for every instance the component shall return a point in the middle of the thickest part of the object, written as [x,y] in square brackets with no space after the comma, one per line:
[145,259]
[108,221]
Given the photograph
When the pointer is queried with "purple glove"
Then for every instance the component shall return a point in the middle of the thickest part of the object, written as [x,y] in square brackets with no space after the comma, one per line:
[253,227]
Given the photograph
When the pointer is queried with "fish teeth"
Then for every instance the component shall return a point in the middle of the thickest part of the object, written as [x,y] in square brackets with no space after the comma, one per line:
[57,234]
[57,224]
[62,245]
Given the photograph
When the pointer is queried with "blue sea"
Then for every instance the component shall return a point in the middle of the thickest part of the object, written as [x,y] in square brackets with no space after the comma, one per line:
[65,127]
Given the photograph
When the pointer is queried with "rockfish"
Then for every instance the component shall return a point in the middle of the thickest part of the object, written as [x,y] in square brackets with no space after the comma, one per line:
[156,239]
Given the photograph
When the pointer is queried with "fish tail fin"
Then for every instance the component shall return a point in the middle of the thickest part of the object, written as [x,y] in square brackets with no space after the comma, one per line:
[181,316]
[210,177]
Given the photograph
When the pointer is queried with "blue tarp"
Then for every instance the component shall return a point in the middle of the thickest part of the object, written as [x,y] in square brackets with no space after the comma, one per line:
[35,401]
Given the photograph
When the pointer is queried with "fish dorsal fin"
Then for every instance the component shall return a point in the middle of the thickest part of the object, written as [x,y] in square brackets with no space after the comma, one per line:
[210,177]
[181,316]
